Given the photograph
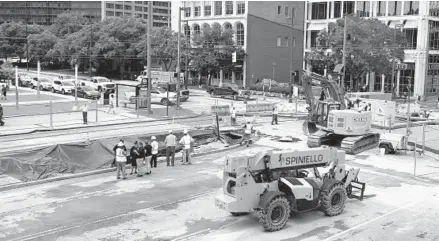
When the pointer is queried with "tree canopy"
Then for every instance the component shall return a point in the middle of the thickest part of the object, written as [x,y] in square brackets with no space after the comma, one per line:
[371,46]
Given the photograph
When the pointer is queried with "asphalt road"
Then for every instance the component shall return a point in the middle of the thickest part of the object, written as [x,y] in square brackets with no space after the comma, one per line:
[176,203]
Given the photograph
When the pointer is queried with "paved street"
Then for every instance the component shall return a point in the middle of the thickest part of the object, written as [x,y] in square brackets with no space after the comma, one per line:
[177,204]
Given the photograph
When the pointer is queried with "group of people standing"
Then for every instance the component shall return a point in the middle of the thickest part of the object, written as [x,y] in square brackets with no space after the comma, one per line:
[143,156]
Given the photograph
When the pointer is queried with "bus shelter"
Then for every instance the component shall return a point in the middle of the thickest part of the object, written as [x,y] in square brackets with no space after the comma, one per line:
[130,92]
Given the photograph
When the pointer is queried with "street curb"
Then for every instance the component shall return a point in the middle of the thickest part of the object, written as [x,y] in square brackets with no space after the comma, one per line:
[95,172]
[107,124]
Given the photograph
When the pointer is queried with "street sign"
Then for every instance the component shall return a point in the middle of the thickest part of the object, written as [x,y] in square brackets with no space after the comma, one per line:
[401,66]
[433,66]
[234,57]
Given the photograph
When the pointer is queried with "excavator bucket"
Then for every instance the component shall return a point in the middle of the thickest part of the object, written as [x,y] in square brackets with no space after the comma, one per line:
[309,128]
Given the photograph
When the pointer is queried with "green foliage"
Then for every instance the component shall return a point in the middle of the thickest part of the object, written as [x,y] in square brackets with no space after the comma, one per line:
[13,38]
[274,89]
[371,46]
[7,70]
[39,44]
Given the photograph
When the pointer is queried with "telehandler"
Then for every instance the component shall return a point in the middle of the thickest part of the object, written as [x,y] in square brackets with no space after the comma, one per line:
[277,184]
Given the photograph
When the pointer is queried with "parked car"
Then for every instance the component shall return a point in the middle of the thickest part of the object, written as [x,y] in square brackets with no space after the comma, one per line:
[63,86]
[184,93]
[158,96]
[87,92]
[99,83]
[45,83]
[25,81]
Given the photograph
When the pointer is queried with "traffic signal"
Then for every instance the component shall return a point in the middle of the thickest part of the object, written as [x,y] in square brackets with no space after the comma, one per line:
[234,57]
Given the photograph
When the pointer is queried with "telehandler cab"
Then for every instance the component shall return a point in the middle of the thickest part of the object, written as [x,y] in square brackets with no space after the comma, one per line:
[277,183]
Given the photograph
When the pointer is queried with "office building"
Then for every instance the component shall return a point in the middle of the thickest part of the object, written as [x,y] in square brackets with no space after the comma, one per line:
[419,20]
[270,32]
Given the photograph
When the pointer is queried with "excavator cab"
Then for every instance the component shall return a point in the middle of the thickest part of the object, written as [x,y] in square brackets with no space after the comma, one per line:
[320,116]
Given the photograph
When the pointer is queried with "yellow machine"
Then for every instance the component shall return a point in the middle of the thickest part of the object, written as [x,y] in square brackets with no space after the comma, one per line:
[330,121]
[278,183]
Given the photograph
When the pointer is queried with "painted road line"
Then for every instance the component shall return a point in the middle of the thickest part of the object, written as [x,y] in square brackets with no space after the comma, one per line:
[194,236]
[373,220]
[37,102]
[66,228]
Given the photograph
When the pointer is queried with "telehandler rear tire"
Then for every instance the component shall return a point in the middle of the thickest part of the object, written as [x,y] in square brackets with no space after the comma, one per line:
[333,200]
[276,214]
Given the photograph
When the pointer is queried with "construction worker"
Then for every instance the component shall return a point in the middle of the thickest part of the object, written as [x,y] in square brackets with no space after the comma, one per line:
[2,123]
[322,95]
[170,142]
[186,141]
[248,128]
[233,117]
[274,116]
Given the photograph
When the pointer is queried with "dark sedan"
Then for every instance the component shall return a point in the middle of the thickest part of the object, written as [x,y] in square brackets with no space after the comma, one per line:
[87,92]
[223,92]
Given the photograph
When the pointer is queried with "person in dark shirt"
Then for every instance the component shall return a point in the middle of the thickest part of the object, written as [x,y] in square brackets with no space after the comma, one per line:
[148,156]
[141,160]
[134,153]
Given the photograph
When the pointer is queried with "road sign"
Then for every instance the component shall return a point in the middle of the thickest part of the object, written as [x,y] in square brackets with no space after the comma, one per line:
[401,66]
[433,66]
[234,57]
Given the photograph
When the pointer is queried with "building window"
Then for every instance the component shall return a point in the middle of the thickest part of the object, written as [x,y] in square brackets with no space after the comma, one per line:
[434,9]
[411,8]
[218,8]
[127,7]
[145,16]
[279,41]
[348,7]
[138,2]
[160,10]
[138,8]
[314,38]
[187,12]
[145,9]
[412,38]
[207,10]
[337,9]
[118,6]
[187,31]
[138,15]
[240,6]
[395,8]
[285,43]
[227,26]
[240,34]
[197,29]
[319,10]
[109,13]
[363,8]
[229,7]
[434,35]
[119,14]
[160,3]
[287,11]
[381,11]
[110,5]
[127,14]
[197,11]
[279,9]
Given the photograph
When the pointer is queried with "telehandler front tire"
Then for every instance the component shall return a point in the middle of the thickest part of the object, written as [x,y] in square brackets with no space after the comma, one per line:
[333,200]
[276,214]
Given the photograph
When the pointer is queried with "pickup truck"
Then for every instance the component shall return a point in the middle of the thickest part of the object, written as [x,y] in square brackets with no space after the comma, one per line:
[99,83]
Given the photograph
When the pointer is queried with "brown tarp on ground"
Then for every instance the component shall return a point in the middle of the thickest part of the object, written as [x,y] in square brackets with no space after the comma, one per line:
[79,157]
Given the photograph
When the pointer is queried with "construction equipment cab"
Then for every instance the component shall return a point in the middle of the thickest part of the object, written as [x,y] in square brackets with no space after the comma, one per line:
[330,122]
[276,183]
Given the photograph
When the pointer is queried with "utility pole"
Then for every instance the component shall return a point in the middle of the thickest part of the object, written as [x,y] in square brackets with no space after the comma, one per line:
[393,65]
[344,51]
[16,87]
[178,57]
[38,78]
[186,73]
[290,98]
[89,48]
[27,50]
[76,83]
[409,86]
[148,58]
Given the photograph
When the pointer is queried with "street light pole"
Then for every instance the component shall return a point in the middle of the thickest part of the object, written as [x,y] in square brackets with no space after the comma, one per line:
[290,98]
[89,48]
[344,52]
[148,60]
[393,66]
[178,57]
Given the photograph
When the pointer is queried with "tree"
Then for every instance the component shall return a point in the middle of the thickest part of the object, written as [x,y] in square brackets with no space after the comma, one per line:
[13,38]
[213,51]
[163,45]
[40,44]
[67,23]
[371,46]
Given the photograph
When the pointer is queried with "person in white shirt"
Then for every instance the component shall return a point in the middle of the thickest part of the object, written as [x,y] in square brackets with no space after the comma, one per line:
[186,141]
[248,128]
[84,113]
[121,159]
[111,104]
[274,116]
[154,151]
[233,116]
[170,142]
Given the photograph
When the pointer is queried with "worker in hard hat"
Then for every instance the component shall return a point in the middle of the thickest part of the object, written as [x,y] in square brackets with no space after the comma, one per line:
[248,128]
[154,151]
[186,141]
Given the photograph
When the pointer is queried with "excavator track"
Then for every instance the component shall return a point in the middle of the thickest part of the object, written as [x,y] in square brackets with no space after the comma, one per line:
[320,137]
[356,144]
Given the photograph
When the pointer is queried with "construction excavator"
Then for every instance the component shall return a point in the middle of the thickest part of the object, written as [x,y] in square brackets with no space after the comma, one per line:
[332,121]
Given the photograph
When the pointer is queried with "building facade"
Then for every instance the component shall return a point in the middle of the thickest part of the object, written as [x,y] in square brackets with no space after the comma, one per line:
[419,20]
[270,32]
[44,12]
[161,11]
